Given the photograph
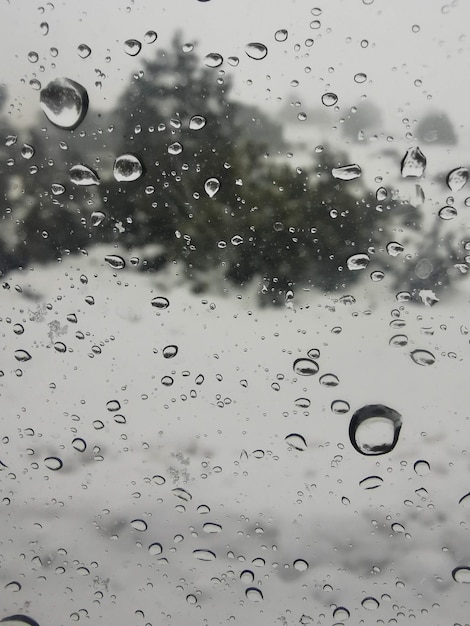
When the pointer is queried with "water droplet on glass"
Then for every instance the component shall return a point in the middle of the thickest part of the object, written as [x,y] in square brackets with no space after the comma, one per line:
[329,99]
[197,122]
[423,357]
[79,444]
[413,163]
[60,347]
[347,172]
[132,47]
[457,179]
[13,586]
[115,261]
[374,429]
[211,186]
[175,148]
[160,302]
[97,218]
[33,57]
[281,35]
[57,189]
[247,576]
[381,194]
[358,261]
[461,574]
[27,151]
[377,276]
[370,603]
[302,403]
[305,367]
[18,329]
[53,463]
[191,599]
[139,524]
[360,77]
[233,61]
[296,441]
[340,614]
[254,594]
[398,341]
[448,213]
[182,494]
[394,248]
[329,380]
[150,36]
[155,549]
[256,51]
[371,482]
[204,555]
[170,351]
[84,51]
[421,467]
[339,407]
[127,168]
[22,356]
[213,59]
[82,175]
[64,102]
[465,500]
[210,527]
[300,565]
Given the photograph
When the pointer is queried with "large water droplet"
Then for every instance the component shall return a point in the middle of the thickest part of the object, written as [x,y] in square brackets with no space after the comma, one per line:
[423,357]
[296,441]
[139,524]
[340,614]
[329,380]
[394,248]
[371,482]
[457,179]
[347,172]
[175,148]
[422,467]
[170,351]
[340,407]
[398,341]
[281,35]
[97,218]
[127,167]
[211,186]
[247,576]
[374,429]
[204,555]
[155,549]
[305,367]
[83,176]
[150,36]
[256,51]
[370,603]
[254,594]
[358,261]
[330,99]
[413,163]
[84,51]
[64,102]
[22,356]
[447,213]
[132,47]
[210,527]
[79,444]
[115,261]
[300,565]
[182,494]
[160,302]
[53,463]
[197,122]
[213,59]
[461,574]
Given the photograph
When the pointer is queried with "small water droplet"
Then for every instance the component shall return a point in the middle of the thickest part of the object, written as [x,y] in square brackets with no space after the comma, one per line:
[340,407]
[57,189]
[139,524]
[457,179]
[377,276]
[150,36]
[233,61]
[247,576]
[53,463]
[398,341]
[340,614]
[423,357]
[360,78]
[381,194]
[296,441]
[182,494]
[115,261]
[421,467]
[281,35]
[79,444]
[254,594]
[191,599]
[211,186]
[170,351]
[12,586]
[155,549]
[305,367]
[329,380]
[329,99]
[358,261]
[97,218]
[370,603]
[82,175]
[113,406]
[18,329]
[300,565]
[160,302]
[175,148]
[132,47]
[347,172]
[374,429]
[27,151]
[33,57]
[302,403]
[60,347]
[394,248]
[84,51]
[413,163]
[22,356]
[448,213]
[213,60]
[210,527]
[371,482]
[127,168]
[256,51]
[461,575]
[64,102]
[204,555]
[197,122]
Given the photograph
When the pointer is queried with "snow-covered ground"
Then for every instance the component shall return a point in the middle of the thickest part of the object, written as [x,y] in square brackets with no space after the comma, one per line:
[213,421]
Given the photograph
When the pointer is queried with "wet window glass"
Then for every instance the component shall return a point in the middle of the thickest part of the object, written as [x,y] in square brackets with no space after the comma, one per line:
[234,247]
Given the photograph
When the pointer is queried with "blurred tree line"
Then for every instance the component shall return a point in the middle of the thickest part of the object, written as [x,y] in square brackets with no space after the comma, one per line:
[285,227]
